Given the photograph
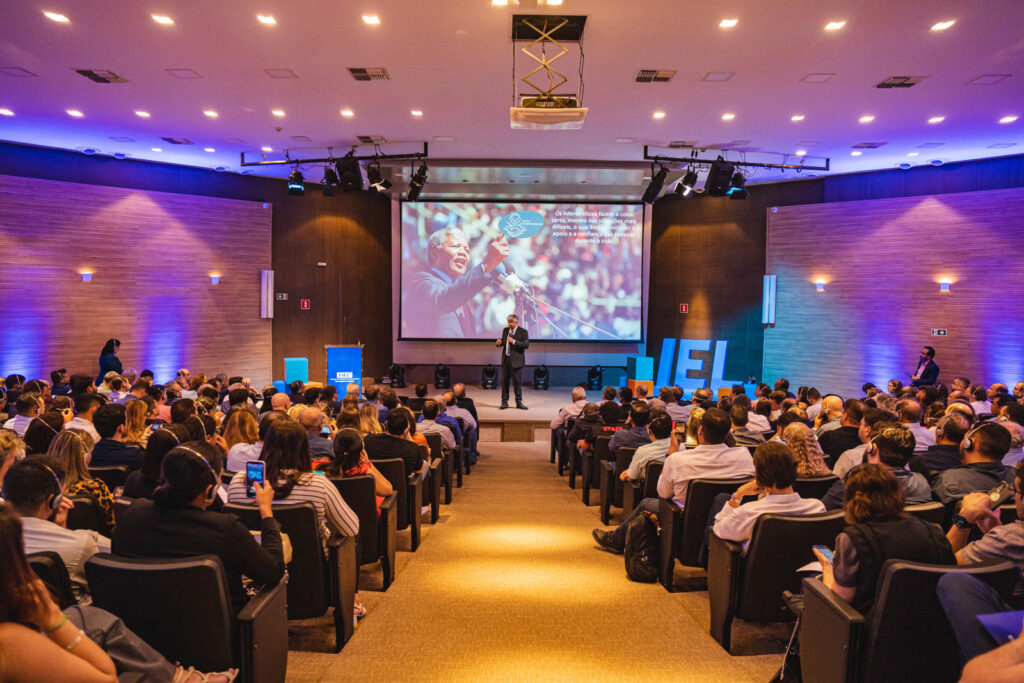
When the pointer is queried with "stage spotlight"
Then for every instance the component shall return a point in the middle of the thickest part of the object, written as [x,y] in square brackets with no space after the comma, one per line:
[350,176]
[396,373]
[489,378]
[541,377]
[595,378]
[296,183]
[417,183]
[329,181]
[656,184]
[719,178]
[738,191]
[685,188]
[375,179]
[442,376]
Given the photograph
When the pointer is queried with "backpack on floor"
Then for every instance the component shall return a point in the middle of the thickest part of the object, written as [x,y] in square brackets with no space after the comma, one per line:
[641,551]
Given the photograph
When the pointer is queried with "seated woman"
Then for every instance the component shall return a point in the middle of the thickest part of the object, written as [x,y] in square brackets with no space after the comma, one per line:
[136,431]
[416,438]
[350,459]
[41,431]
[72,448]
[178,523]
[692,426]
[348,419]
[369,422]
[879,530]
[144,481]
[810,461]
[240,427]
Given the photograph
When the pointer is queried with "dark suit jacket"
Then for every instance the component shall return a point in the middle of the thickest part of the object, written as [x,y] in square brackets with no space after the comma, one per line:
[108,453]
[467,404]
[431,303]
[384,446]
[930,375]
[416,403]
[521,340]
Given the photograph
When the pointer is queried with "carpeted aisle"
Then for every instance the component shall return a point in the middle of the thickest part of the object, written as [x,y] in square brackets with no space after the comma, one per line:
[509,585]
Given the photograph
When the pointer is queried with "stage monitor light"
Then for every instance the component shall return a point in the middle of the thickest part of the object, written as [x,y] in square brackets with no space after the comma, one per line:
[656,184]
[719,178]
[329,181]
[397,375]
[489,377]
[541,378]
[417,183]
[376,180]
[442,376]
[350,176]
[296,183]
[595,378]
[738,189]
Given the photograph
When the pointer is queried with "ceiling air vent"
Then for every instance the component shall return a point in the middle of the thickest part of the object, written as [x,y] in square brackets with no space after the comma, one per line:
[366,74]
[184,74]
[901,81]
[682,144]
[101,75]
[371,139]
[654,75]
[867,145]
[16,72]
[301,138]
[178,141]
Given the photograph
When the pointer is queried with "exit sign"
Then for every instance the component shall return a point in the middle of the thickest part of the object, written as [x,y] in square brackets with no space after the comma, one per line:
[304,304]
[684,308]
[939,332]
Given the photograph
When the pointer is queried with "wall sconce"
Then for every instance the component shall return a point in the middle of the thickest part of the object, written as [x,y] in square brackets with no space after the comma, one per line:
[819,285]
[214,278]
[86,276]
[944,285]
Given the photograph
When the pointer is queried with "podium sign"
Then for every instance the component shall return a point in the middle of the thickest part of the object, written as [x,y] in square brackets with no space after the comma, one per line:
[344,365]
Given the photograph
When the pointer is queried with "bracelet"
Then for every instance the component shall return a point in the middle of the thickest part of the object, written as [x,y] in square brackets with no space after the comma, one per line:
[59,624]
[76,640]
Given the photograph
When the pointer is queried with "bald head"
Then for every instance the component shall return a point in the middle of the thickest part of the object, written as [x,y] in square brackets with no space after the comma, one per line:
[441,403]
[834,404]
[459,389]
[311,419]
[280,401]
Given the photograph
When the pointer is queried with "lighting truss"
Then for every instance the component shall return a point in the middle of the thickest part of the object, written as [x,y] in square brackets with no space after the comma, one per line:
[696,161]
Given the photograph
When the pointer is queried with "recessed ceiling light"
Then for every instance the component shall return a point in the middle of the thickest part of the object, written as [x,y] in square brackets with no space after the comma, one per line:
[728,116]
[499,3]
[554,3]
[277,112]
[162,19]
[796,117]
[267,149]
[937,119]
[856,153]
[834,25]
[267,19]
[6,112]
[74,112]
[867,118]
[624,141]
[209,149]
[801,152]
[56,16]
[658,115]
[347,113]
[1008,119]
[728,23]
[943,25]
[912,154]
[371,19]
[416,112]
[155,149]
[211,113]
[142,114]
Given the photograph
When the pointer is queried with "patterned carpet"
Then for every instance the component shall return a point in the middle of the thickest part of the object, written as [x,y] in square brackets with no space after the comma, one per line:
[509,585]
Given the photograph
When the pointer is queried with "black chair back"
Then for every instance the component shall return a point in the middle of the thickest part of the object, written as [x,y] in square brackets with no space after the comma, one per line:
[393,470]
[651,476]
[87,514]
[113,476]
[149,596]
[308,594]
[436,445]
[50,569]
[779,545]
[1008,513]
[814,487]
[120,505]
[360,493]
[934,512]
[700,494]
[622,462]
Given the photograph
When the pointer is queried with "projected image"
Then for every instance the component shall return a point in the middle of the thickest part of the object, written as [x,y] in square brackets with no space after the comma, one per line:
[569,271]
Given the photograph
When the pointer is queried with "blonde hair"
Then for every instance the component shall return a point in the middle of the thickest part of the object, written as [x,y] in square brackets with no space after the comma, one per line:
[693,424]
[135,428]
[70,449]
[368,420]
[294,411]
[11,445]
[810,461]
[241,427]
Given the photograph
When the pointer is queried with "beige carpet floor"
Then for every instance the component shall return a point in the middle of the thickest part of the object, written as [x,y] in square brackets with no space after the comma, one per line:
[509,585]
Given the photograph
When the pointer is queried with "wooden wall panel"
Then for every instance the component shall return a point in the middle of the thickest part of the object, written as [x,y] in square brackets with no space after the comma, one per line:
[151,254]
[882,260]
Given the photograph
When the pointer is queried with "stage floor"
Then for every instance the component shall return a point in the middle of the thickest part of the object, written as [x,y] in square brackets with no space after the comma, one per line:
[513,424]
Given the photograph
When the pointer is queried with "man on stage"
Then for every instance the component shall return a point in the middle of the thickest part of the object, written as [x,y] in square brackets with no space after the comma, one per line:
[514,341]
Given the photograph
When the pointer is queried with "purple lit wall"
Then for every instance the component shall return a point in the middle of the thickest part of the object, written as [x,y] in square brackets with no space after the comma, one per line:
[882,262]
[151,255]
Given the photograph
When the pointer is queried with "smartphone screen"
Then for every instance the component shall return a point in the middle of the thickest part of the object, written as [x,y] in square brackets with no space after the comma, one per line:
[326,431]
[826,552]
[1000,494]
[254,471]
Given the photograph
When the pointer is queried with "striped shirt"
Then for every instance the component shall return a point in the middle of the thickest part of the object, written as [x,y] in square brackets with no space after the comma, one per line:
[334,513]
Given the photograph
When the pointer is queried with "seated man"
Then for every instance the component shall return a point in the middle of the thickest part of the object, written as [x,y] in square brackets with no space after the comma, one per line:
[635,433]
[416,404]
[111,450]
[980,404]
[710,459]
[981,467]
[464,401]
[873,417]
[945,453]
[579,399]
[830,415]
[29,406]
[836,441]
[963,597]
[34,488]
[910,417]
[677,411]
[453,410]
[891,445]
[446,420]
[428,424]
[741,434]
[660,429]
[588,426]
[312,420]
[396,442]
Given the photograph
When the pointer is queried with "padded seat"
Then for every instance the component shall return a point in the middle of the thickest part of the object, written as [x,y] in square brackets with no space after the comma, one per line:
[408,495]
[52,571]
[376,540]
[611,484]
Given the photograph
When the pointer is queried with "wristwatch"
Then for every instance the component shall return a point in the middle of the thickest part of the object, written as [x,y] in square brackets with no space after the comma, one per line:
[961,522]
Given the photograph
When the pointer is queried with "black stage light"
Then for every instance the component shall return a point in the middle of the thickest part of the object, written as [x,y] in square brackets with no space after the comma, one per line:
[296,183]
[397,375]
[541,377]
[738,191]
[719,178]
[329,181]
[595,378]
[417,183]
[489,378]
[688,183]
[376,180]
[442,376]
[657,182]
[350,176]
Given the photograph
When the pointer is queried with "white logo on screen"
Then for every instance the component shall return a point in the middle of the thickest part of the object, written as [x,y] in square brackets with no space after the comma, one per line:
[344,375]
[515,227]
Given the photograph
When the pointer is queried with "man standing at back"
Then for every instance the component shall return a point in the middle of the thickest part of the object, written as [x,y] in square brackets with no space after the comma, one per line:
[513,344]
[927,372]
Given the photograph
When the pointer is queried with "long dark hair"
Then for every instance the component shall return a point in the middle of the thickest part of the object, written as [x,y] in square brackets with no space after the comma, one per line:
[187,471]
[109,347]
[41,432]
[285,448]
[348,449]
[160,444]
[15,600]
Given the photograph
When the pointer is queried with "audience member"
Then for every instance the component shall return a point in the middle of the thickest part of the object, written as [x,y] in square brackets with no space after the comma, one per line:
[72,451]
[240,427]
[396,442]
[144,481]
[42,430]
[980,404]
[571,410]
[813,403]
[416,404]
[835,442]
[12,449]
[857,455]
[945,453]
[348,418]
[111,449]
[241,453]
[429,425]
[369,419]
[810,461]
[464,401]
[910,417]
[741,433]
[660,435]
[136,431]
[28,406]
[891,446]
[350,459]
[830,416]
[182,410]
[635,434]
[586,428]
[312,420]
[980,468]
